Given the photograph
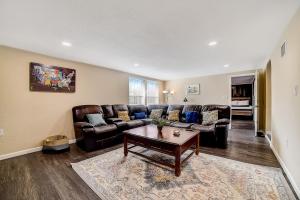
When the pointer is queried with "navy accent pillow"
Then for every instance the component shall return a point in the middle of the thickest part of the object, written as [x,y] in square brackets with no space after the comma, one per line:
[191,117]
[140,115]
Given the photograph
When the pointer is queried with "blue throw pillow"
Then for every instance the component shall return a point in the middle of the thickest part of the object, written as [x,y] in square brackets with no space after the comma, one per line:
[140,115]
[96,119]
[191,117]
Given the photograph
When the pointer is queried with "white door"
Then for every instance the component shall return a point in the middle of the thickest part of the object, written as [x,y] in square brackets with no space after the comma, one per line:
[255,103]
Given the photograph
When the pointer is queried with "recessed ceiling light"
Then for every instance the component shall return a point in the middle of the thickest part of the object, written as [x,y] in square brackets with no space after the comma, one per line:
[67,44]
[136,64]
[212,43]
[226,65]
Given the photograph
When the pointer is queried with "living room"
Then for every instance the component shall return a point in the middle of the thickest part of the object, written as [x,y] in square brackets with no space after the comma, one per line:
[111,100]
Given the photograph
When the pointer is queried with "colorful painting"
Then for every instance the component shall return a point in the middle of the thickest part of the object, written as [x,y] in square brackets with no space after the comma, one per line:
[51,78]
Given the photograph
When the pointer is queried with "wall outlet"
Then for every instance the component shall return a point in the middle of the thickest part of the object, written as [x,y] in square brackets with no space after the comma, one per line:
[1,131]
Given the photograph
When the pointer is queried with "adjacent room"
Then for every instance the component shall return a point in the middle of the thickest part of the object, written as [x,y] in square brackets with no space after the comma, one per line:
[154,100]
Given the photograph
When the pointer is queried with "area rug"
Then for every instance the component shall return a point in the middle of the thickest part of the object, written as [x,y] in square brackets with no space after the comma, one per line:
[111,177]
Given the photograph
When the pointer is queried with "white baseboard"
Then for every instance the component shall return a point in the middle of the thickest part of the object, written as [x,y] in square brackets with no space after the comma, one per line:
[26,151]
[72,141]
[20,153]
[268,139]
[287,172]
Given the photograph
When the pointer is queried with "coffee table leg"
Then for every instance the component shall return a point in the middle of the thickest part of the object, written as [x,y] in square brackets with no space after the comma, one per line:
[197,144]
[177,162]
[125,145]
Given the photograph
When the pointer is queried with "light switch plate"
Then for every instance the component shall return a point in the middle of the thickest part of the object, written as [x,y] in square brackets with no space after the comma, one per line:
[1,131]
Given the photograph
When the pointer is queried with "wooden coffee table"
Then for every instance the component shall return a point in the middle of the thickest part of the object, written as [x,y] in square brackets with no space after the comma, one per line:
[164,142]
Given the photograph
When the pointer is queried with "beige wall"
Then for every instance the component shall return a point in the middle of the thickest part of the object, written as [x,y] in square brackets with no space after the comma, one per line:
[285,105]
[214,89]
[28,117]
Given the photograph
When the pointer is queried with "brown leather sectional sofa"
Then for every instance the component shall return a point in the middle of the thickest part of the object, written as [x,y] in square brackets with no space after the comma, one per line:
[91,137]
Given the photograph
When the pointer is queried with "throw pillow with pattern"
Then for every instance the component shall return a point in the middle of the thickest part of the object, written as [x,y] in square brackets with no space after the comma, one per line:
[173,115]
[156,113]
[96,119]
[210,117]
[124,116]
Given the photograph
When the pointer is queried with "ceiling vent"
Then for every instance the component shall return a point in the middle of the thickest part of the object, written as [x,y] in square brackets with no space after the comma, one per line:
[283,49]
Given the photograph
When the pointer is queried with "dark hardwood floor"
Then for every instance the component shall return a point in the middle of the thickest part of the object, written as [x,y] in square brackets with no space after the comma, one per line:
[43,176]
[242,124]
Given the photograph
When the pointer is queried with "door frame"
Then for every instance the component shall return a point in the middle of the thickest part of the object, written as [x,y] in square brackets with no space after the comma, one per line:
[256,93]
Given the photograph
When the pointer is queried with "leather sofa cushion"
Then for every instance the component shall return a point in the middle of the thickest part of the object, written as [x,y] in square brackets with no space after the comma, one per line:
[147,121]
[175,107]
[83,125]
[191,108]
[121,124]
[107,111]
[113,120]
[202,128]
[119,107]
[137,109]
[79,112]
[180,125]
[104,129]
[135,123]
[164,107]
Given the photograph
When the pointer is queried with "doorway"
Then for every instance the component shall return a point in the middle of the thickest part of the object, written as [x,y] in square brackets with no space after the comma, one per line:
[268,99]
[244,110]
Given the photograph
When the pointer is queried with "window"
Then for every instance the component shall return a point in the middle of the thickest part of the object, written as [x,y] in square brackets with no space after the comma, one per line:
[152,92]
[137,91]
[143,91]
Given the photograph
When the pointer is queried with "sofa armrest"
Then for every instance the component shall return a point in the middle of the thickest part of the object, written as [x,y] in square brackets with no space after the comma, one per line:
[88,131]
[223,121]
[83,125]
[113,120]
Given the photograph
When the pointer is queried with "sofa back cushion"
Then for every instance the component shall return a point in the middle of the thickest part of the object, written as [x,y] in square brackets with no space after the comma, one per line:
[80,112]
[175,107]
[163,107]
[223,110]
[132,109]
[108,111]
[119,107]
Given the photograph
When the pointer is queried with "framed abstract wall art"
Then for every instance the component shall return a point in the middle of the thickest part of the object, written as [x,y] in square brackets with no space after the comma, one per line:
[193,89]
[51,78]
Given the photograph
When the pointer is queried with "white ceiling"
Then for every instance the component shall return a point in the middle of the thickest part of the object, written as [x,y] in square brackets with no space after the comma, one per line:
[168,38]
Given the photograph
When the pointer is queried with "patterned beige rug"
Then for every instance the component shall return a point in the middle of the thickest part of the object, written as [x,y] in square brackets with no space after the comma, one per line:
[203,177]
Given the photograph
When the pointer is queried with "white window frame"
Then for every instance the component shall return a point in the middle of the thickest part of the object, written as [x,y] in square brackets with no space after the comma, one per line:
[145,83]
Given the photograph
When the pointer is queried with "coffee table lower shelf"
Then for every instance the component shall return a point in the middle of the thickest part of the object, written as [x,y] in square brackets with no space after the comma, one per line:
[165,148]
